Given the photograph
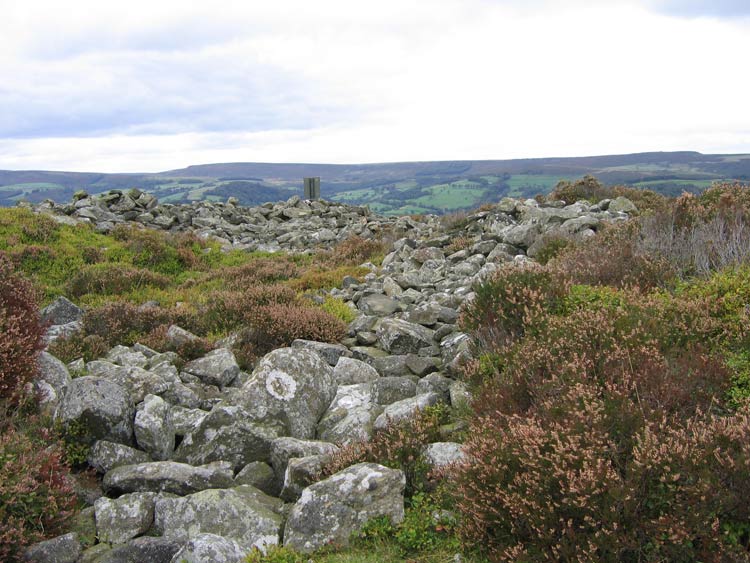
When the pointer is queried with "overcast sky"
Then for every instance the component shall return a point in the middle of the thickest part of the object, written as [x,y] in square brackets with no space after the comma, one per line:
[156,85]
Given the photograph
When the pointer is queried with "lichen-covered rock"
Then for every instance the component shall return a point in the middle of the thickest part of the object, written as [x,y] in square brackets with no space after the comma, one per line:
[105,456]
[94,408]
[350,416]
[349,371]
[243,514]
[122,519]
[329,352]
[186,420]
[153,427]
[62,549]
[331,510]
[140,550]
[300,473]
[61,311]
[210,548]
[378,305]
[227,434]
[291,387]
[405,409]
[398,336]
[218,367]
[388,390]
[168,477]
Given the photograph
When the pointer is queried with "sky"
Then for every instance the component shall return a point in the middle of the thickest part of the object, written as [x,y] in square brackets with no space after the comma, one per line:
[146,86]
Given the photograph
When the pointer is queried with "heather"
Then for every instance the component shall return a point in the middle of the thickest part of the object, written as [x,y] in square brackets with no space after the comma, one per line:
[611,420]
[600,391]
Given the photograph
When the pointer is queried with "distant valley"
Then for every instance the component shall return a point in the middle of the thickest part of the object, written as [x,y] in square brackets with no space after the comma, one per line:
[390,188]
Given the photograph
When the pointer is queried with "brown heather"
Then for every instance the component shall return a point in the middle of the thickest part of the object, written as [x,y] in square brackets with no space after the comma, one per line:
[21,331]
[108,279]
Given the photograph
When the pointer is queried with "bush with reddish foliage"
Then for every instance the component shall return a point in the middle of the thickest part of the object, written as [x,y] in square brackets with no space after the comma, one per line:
[21,331]
[36,498]
[591,189]
[355,250]
[259,271]
[603,426]
[557,484]
[231,309]
[108,279]
[125,323]
[277,325]
[614,258]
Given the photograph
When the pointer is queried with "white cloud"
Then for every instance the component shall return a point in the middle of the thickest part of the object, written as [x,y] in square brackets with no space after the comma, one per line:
[152,86]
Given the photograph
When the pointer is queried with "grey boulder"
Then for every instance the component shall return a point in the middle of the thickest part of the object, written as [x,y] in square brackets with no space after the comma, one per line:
[93,408]
[331,510]
[154,431]
[291,387]
[398,336]
[242,514]
[122,519]
[218,367]
[167,477]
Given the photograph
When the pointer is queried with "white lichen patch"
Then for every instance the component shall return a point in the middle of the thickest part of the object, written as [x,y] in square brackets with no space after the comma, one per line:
[280,385]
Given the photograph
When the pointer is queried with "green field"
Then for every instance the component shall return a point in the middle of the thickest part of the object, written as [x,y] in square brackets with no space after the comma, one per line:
[542,182]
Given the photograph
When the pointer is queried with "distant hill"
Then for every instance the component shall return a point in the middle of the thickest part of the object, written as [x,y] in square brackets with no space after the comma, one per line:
[391,188]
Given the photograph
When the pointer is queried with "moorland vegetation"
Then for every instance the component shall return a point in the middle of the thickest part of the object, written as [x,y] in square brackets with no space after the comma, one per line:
[611,379]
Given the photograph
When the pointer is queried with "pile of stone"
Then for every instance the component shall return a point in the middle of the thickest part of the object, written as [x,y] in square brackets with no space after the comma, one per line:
[293,225]
[205,461]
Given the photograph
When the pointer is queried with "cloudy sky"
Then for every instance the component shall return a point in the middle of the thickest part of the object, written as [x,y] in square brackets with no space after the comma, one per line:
[160,84]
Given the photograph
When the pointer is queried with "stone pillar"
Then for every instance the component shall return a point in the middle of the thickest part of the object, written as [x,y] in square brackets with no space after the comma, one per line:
[312,188]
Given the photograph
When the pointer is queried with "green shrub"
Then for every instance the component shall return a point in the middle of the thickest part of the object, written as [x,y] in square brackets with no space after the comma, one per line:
[276,554]
[36,498]
[339,309]
[551,247]
[21,331]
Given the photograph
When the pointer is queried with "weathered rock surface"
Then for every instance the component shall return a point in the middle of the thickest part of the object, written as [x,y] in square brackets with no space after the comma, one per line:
[292,387]
[122,519]
[242,514]
[330,510]
[168,477]
[62,549]
[93,408]
[154,432]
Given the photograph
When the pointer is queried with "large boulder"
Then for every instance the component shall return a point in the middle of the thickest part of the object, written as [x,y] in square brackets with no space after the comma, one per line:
[398,336]
[292,387]
[349,371]
[94,408]
[140,550]
[286,448]
[378,305]
[219,367]
[331,510]
[167,477]
[242,514]
[227,434]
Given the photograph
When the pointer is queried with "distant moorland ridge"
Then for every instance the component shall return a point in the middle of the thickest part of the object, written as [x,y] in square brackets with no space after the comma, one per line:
[390,188]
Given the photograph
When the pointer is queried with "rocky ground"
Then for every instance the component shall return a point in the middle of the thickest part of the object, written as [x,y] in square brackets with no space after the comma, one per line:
[204,462]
